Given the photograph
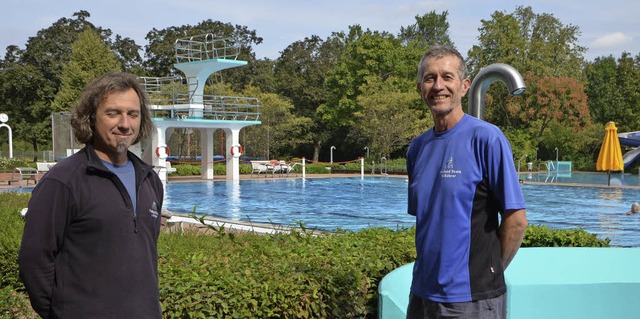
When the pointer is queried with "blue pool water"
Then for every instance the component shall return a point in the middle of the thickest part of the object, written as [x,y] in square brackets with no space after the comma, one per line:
[354,203]
[599,178]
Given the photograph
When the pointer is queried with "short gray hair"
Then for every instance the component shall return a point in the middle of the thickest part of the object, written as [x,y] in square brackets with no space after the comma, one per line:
[439,51]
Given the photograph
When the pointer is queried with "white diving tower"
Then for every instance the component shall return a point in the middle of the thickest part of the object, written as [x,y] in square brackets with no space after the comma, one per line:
[179,102]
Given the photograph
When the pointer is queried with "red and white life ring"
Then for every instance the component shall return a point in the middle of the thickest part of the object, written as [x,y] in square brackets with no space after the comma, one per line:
[233,147]
[166,151]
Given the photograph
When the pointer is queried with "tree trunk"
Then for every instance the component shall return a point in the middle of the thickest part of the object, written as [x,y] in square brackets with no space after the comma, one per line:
[35,150]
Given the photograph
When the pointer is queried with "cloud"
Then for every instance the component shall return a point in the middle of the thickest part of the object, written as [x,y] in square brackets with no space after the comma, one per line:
[611,40]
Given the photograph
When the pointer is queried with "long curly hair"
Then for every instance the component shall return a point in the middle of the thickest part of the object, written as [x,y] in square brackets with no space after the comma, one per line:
[84,114]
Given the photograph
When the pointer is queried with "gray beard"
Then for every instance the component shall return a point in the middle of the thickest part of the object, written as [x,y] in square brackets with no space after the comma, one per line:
[122,147]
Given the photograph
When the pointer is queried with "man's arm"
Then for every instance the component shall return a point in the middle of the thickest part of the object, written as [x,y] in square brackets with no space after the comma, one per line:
[42,237]
[512,228]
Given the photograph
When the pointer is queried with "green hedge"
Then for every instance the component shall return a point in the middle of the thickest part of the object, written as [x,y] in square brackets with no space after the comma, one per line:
[297,275]
[278,276]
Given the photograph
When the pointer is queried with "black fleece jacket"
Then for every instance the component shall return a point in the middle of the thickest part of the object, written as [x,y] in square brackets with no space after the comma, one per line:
[85,253]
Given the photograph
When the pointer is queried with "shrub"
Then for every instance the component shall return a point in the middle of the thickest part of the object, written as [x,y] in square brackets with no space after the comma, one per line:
[13,224]
[11,163]
[278,276]
[543,236]
[230,275]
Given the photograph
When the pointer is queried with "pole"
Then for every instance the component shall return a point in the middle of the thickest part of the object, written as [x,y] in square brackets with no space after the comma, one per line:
[332,148]
[10,139]
[362,167]
[304,168]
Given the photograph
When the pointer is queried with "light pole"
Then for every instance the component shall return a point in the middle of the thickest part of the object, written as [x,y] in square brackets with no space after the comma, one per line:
[525,156]
[367,148]
[3,119]
[332,148]
[556,155]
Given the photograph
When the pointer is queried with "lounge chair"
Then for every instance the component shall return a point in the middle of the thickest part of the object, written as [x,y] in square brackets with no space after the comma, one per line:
[265,167]
[282,168]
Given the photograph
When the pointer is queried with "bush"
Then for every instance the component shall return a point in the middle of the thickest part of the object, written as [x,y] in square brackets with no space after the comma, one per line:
[293,275]
[11,163]
[219,169]
[543,236]
[13,224]
[230,275]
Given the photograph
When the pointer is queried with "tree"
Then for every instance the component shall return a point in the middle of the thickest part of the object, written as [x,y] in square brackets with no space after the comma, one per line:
[20,91]
[429,29]
[160,52]
[280,131]
[299,75]
[392,114]
[530,42]
[544,49]
[90,57]
[613,87]
[128,54]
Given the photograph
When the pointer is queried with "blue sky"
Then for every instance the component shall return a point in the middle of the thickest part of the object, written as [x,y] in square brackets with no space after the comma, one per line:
[607,27]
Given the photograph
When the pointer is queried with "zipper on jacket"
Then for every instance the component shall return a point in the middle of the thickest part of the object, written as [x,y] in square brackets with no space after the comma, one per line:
[135,221]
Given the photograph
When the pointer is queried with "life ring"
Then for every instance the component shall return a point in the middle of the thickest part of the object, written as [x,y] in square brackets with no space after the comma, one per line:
[239,150]
[166,151]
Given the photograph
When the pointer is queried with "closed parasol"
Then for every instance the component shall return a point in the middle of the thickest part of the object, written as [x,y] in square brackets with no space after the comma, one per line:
[610,157]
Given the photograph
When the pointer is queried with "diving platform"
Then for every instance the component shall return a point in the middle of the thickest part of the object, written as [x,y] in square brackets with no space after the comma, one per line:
[179,102]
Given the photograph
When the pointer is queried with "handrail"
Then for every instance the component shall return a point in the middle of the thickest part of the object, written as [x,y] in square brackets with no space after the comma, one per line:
[169,97]
[206,47]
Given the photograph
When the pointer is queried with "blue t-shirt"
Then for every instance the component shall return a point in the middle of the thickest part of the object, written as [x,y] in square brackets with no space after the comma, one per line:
[459,182]
[127,176]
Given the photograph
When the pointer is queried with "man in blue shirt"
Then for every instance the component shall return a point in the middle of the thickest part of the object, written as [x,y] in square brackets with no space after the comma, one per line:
[461,178]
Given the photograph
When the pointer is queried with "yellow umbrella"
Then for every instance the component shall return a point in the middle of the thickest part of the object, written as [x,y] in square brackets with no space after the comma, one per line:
[610,157]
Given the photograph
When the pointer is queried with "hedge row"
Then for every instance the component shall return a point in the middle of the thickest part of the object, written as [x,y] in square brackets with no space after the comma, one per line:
[293,275]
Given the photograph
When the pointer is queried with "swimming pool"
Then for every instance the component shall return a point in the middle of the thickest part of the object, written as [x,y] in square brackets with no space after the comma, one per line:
[597,178]
[353,203]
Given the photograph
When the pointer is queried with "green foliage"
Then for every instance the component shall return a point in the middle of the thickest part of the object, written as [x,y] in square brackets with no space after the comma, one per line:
[7,164]
[90,57]
[187,169]
[542,236]
[13,223]
[293,275]
[15,305]
[384,105]
[218,169]
[248,275]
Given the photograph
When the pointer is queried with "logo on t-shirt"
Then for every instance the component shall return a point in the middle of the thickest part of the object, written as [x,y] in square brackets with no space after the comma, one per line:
[448,170]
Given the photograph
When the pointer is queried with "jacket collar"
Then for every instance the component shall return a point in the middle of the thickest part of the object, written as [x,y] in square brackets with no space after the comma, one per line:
[95,163]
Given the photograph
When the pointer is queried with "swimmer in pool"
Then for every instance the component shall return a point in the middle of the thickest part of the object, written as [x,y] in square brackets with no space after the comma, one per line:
[635,208]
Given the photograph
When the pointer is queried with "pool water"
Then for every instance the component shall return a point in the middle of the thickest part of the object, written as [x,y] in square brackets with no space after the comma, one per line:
[354,203]
[600,178]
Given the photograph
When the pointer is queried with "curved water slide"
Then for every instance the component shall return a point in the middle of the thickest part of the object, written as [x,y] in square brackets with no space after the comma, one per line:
[630,139]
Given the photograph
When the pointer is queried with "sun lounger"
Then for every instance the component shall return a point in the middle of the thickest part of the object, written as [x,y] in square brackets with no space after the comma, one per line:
[258,167]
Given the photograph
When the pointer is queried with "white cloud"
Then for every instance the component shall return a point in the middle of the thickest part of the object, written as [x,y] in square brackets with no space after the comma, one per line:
[611,40]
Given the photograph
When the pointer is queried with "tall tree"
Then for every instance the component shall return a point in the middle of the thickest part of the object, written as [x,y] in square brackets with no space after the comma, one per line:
[299,74]
[430,29]
[160,52]
[90,57]
[21,89]
[392,114]
[606,101]
[538,44]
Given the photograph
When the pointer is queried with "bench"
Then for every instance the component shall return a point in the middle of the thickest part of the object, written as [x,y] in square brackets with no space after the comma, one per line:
[44,166]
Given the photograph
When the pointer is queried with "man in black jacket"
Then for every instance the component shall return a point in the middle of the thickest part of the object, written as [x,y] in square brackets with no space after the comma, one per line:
[89,248]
